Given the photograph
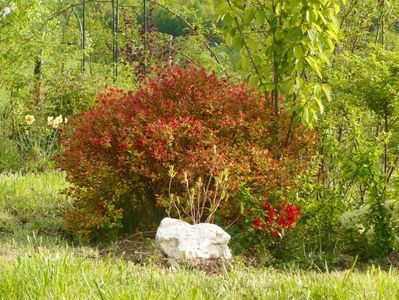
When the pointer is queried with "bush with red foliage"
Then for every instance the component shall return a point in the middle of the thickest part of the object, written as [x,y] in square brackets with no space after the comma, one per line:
[119,152]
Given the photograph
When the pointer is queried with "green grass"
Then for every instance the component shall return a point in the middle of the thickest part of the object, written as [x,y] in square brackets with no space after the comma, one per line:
[37,265]
[65,273]
[31,202]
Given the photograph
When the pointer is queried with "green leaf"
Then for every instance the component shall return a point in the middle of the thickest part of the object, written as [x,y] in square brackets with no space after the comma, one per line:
[253,80]
[293,4]
[260,17]
[327,91]
[324,58]
[238,42]
[305,114]
[278,35]
[320,104]
[314,65]
[258,59]
[245,63]
[316,90]
[307,16]
[249,15]
[229,38]
[317,27]
[222,7]
[331,44]
[323,19]
[312,34]
[333,35]
[228,19]
[252,43]
[298,52]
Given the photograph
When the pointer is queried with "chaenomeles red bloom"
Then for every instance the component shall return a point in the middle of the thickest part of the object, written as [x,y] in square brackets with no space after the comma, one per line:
[271,212]
[266,206]
[278,219]
[283,221]
[271,215]
[258,224]
[288,216]
[275,234]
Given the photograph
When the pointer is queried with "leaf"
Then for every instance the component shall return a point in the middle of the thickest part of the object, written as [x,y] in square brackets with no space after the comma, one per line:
[307,16]
[260,17]
[333,35]
[252,43]
[269,40]
[305,114]
[327,91]
[278,35]
[245,63]
[316,90]
[253,80]
[249,15]
[323,19]
[324,57]
[228,19]
[317,27]
[229,38]
[320,104]
[293,4]
[238,42]
[331,44]
[287,87]
[298,52]
[222,7]
[258,59]
[312,34]
[314,65]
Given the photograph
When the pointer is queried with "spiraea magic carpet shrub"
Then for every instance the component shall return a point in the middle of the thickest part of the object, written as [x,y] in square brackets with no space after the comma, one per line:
[119,153]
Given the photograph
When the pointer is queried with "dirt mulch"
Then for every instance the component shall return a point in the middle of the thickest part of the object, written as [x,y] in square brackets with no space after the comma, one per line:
[144,251]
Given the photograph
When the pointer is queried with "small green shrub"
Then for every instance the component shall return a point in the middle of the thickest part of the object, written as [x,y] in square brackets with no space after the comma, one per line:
[69,94]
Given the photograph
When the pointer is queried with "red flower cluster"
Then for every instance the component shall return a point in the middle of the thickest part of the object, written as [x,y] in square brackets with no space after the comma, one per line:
[277,220]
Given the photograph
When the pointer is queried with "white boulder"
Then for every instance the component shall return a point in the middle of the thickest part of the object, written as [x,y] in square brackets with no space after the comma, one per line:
[178,239]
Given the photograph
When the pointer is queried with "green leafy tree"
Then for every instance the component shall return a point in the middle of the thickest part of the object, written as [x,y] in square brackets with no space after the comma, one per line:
[283,45]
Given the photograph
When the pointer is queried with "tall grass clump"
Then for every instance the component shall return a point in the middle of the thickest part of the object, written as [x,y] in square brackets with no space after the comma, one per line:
[31,201]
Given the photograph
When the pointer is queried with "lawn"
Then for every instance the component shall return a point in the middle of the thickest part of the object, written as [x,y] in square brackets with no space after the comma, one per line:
[37,262]
[64,273]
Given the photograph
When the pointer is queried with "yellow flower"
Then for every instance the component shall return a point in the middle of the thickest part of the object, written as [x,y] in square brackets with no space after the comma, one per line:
[55,122]
[58,119]
[29,119]
[50,120]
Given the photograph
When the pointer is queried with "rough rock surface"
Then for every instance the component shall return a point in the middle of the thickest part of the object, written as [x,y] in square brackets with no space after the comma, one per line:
[178,239]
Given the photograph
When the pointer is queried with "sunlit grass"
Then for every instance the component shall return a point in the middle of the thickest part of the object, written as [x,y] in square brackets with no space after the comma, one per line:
[64,273]
[31,192]
[31,202]
[38,265]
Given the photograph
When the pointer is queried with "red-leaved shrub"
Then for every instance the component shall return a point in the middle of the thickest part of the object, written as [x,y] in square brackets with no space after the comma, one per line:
[119,152]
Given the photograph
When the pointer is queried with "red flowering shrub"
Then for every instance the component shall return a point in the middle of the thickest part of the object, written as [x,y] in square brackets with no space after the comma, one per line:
[276,221]
[119,153]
